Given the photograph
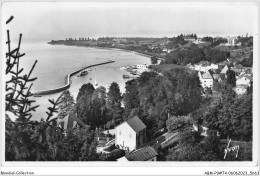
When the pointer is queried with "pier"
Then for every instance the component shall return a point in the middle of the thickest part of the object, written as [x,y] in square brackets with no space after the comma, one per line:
[51,91]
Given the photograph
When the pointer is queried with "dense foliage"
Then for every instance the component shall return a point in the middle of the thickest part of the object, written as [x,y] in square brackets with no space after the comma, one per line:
[247,62]
[113,104]
[214,41]
[231,78]
[177,122]
[184,56]
[246,41]
[154,60]
[154,97]
[231,116]
[67,104]
[215,55]
[91,105]
[176,41]
[193,147]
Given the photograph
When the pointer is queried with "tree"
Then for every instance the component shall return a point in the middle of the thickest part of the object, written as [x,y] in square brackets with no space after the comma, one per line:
[207,39]
[27,140]
[192,147]
[24,139]
[67,104]
[85,90]
[91,105]
[114,99]
[83,104]
[114,96]
[192,55]
[131,96]
[176,122]
[177,92]
[247,62]
[231,116]
[98,109]
[231,78]
[154,60]
[215,55]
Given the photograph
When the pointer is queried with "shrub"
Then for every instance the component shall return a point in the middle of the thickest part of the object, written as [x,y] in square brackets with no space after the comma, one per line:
[176,122]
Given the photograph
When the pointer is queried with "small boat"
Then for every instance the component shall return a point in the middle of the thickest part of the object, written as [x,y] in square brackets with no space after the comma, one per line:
[134,72]
[83,73]
[126,76]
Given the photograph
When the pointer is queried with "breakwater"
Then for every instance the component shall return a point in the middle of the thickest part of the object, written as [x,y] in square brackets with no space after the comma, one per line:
[68,80]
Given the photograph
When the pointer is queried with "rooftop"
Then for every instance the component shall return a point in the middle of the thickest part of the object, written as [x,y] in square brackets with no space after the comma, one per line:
[207,75]
[225,69]
[247,77]
[142,154]
[136,124]
[69,121]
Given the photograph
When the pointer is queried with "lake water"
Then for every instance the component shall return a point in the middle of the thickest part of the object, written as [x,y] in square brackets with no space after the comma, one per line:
[56,61]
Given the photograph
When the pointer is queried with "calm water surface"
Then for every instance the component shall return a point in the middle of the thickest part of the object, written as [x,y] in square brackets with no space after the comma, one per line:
[56,61]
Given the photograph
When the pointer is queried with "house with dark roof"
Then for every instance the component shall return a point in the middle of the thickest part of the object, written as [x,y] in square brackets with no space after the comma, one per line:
[142,154]
[70,121]
[131,134]
[222,77]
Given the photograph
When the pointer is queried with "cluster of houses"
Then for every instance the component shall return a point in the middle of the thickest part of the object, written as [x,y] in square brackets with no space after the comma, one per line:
[209,73]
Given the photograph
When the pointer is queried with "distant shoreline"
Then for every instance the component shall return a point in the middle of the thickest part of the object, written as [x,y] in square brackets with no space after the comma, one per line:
[105,47]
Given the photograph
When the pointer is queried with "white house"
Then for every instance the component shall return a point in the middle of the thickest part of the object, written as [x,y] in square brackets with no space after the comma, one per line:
[206,79]
[142,154]
[231,40]
[131,134]
[200,68]
[241,89]
[203,67]
[244,80]
[213,66]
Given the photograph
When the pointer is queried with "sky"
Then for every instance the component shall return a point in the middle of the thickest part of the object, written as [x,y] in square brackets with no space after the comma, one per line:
[58,20]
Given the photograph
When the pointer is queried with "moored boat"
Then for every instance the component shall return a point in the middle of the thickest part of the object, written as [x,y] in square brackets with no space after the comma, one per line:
[126,76]
[83,73]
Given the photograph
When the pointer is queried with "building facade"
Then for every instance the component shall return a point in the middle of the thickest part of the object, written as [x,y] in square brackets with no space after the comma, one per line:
[131,134]
[244,80]
[241,89]
[206,79]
